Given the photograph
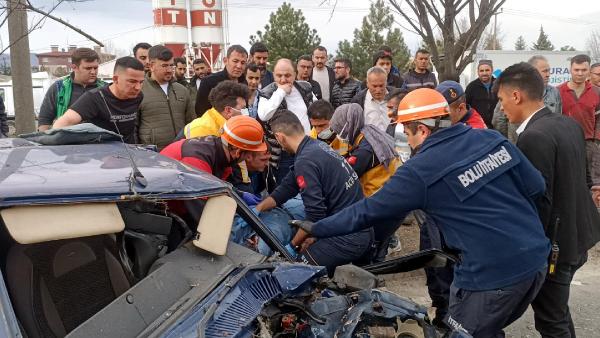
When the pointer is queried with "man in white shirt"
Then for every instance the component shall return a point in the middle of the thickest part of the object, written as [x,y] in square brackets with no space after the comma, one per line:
[324,75]
[372,99]
[284,93]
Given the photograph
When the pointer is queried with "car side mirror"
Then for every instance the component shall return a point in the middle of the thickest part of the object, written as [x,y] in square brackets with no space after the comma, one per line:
[215,224]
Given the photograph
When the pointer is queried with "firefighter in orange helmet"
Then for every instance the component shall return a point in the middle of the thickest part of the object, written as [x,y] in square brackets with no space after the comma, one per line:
[480,190]
[215,155]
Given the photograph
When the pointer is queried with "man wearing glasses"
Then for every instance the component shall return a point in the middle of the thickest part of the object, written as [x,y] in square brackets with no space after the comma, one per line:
[167,106]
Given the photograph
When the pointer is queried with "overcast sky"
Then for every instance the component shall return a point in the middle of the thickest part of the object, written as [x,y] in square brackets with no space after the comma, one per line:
[122,23]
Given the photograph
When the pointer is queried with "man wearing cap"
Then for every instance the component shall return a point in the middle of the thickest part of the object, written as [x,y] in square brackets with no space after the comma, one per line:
[457,103]
[479,94]
[483,204]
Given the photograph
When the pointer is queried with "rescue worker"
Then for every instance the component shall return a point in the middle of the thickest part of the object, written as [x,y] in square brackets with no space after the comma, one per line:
[228,99]
[483,203]
[372,155]
[319,114]
[327,185]
[371,152]
[439,279]
[457,104]
[217,154]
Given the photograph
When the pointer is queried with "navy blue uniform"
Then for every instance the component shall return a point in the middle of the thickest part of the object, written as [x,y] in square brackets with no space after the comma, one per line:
[327,185]
[479,189]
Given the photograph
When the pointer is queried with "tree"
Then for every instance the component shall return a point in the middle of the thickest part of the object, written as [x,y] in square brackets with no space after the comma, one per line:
[543,41]
[376,31]
[567,48]
[493,41]
[520,44]
[287,34]
[593,45]
[433,19]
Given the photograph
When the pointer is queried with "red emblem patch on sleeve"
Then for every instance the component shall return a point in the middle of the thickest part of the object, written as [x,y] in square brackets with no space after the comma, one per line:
[301,182]
[351,160]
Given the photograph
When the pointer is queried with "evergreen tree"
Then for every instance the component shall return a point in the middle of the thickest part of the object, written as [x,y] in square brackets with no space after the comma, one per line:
[520,44]
[543,42]
[376,31]
[287,35]
[567,48]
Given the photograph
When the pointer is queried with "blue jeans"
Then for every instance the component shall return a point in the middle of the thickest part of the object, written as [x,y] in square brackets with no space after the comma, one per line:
[276,220]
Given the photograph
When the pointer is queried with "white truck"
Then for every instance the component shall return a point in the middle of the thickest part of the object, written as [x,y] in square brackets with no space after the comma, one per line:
[560,63]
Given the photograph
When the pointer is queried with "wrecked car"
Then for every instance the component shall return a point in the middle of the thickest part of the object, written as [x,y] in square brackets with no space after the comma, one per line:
[115,240]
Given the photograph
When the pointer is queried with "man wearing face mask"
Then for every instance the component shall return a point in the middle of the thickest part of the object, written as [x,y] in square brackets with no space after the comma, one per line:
[241,135]
[483,204]
[327,184]
[228,99]
[319,114]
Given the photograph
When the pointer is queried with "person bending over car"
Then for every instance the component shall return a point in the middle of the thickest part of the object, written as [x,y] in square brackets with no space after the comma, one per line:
[114,107]
[327,184]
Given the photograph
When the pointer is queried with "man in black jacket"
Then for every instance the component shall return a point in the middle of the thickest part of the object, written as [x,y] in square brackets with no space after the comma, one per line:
[479,92]
[304,68]
[421,76]
[345,87]
[555,145]
[235,65]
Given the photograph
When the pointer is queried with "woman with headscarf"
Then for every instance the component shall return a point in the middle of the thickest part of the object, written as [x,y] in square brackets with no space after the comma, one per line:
[371,152]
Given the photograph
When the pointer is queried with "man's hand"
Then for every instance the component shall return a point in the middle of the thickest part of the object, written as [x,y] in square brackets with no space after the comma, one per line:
[307,242]
[287,88]
[304,225]
[267,204]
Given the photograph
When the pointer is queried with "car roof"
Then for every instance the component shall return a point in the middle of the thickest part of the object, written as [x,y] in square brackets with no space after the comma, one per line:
[36,174]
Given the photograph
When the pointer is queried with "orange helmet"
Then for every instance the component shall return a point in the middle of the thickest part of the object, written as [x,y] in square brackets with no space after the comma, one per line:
[245,133]
[422,104]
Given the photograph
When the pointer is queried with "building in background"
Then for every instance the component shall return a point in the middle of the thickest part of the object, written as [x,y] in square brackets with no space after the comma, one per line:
[58,62]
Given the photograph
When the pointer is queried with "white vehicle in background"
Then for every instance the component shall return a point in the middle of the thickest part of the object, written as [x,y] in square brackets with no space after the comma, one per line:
[41,82]
[560,63]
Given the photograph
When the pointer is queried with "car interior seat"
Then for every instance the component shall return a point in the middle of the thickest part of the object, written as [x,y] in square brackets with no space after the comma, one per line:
[57,285]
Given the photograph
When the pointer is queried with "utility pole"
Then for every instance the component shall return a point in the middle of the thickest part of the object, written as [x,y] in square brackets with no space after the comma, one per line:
[18,34]
[495,42]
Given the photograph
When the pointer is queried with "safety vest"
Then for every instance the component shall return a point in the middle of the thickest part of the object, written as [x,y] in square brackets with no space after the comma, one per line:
[340,147]
[64,92]
[210,123]
[372,180]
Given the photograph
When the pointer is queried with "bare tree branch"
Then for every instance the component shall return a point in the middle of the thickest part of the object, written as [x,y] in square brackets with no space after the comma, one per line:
[457,44]
[59,20]
[39,22]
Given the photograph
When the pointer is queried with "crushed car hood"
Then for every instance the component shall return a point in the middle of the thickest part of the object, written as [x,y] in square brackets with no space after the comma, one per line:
[34,174]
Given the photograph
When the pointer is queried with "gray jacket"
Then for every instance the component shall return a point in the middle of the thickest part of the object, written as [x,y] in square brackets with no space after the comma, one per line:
[500,121]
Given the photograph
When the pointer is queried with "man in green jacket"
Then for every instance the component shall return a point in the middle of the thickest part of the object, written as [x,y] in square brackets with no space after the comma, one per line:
[167,106]
[64,92]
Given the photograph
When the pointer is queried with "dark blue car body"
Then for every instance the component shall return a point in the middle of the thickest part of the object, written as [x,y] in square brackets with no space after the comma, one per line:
[190,293]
